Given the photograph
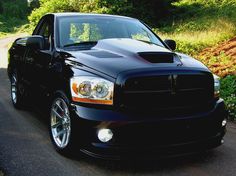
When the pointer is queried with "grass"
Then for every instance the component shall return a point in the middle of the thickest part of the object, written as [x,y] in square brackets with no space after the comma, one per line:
[198,24]
[193,41]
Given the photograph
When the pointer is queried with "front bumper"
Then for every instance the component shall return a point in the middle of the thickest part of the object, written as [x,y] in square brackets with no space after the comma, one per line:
[148,137]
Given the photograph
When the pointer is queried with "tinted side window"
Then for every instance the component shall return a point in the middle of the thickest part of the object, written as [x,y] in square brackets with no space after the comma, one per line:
[45,31]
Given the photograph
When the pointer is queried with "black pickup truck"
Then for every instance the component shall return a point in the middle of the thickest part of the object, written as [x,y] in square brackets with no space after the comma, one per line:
[114,89]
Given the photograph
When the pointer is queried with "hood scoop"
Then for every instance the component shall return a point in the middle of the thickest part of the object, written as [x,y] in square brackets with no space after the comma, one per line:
[159,57]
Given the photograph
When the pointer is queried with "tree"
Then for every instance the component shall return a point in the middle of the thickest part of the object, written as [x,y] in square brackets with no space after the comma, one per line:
[14,8]
[34,4]
[1,7]
[151,11]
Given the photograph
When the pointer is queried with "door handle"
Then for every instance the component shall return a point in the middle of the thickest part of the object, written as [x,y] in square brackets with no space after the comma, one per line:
[56,66]
[29,59]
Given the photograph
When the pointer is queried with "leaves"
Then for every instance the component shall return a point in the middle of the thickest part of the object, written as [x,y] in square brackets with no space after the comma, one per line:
[148,10]
[228,92]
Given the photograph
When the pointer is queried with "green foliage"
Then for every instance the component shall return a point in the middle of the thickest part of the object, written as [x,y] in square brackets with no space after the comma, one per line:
[1,7]
[228,92]
[157,9]
[198,24]
[14,8]
[200,8]
[34,4]
[191,42]
[11,25]
[83,6]
[119,7]
[47,6]
[13,15]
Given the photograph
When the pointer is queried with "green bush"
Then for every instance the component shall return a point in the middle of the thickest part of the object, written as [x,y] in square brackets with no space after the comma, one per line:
[94,6]
[228,93]
[13,14]
[150,11]
[14,8]
[11,25]
[190,11]
[47,6]
[33,4]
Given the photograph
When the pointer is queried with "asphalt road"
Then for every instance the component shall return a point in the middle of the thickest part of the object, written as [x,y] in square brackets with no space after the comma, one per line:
[25,148]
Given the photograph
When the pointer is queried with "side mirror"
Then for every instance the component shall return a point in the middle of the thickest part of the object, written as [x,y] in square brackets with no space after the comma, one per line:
[35,42]
[170,43]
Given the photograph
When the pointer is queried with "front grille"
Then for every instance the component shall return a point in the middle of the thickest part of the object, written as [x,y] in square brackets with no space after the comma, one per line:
[178,92]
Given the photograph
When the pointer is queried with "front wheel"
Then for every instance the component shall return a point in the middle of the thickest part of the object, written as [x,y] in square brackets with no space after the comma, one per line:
[61,124]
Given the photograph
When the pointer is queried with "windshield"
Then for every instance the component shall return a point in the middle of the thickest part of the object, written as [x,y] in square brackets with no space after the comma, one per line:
[76,30]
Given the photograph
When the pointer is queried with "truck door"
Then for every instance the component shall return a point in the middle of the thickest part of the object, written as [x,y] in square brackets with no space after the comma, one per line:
[38,61]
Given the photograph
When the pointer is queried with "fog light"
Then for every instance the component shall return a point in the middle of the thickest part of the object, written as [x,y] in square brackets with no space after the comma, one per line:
[224,122]
[105,135]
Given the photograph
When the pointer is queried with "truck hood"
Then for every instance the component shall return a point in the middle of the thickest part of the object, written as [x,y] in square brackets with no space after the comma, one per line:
[113,56]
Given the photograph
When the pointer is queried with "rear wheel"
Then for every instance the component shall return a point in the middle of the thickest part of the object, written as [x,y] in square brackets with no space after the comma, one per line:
[17,94]
[61,124]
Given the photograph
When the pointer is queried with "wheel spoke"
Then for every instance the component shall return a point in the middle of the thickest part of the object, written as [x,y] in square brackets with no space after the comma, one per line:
[57,114]
[63,139]
[14,79]
[60,133]
[58,105]
[56,125]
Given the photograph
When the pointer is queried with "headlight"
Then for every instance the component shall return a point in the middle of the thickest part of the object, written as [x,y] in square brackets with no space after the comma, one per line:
[216,85]
[89,89]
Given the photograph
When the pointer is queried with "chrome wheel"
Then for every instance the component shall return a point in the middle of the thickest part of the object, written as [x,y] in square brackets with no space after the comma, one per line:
[14,89]
[60,123]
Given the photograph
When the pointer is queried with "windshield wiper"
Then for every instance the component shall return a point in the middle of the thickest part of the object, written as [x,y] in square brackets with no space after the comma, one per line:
[148,42]
[85,43]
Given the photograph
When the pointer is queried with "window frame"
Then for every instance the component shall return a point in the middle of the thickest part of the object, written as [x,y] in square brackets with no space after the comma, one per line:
[57,41]
[49,19]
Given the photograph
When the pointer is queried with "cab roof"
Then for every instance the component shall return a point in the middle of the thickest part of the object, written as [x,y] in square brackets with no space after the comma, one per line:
[66,14]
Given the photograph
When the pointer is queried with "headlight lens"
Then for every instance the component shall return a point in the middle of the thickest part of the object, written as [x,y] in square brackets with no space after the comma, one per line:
[216,86]
[89,89]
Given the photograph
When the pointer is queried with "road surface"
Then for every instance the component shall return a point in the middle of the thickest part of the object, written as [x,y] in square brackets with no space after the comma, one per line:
[25,148]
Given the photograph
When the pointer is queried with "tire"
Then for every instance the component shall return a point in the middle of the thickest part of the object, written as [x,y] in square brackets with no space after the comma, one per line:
[17,95]
[60,124]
